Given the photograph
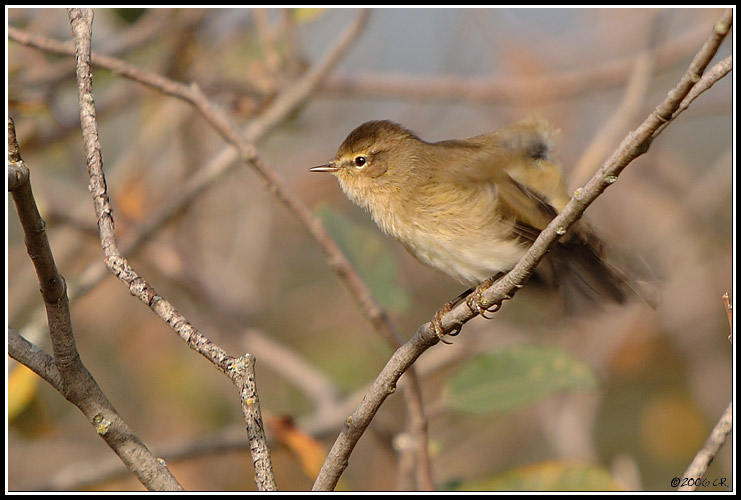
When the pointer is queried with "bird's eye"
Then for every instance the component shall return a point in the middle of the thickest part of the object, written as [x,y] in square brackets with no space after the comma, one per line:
[360,161]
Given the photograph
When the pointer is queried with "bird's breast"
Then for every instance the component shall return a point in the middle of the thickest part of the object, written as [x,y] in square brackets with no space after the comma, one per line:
[458,232]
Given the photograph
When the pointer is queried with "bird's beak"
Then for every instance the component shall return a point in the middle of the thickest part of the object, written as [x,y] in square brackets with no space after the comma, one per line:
[329,167]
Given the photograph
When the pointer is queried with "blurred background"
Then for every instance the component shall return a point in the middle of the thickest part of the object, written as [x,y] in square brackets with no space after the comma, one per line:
[243,270]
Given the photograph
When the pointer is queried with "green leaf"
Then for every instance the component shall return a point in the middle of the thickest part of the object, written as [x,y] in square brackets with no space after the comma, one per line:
[366,249]
[505,380]
[548,476]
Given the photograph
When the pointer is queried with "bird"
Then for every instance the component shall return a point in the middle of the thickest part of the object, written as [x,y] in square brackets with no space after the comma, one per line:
[471,208]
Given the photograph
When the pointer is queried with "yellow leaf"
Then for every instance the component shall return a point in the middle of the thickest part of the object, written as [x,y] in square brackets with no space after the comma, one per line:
[309,451]
[22,384]
[306,15]
[672,427]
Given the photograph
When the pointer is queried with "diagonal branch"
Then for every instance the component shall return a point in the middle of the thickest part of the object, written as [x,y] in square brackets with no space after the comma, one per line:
[705,456]
[509,90]
[635,144]
[718,436]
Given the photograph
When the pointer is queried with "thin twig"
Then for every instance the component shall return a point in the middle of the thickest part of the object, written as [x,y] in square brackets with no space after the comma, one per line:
[718,71]
[237,370]
[223,162]
[509,90]
[635,144]
[264,477]
[720,432]
[705,456]
[699,466]
[356,424]
[320,423]
[729,310]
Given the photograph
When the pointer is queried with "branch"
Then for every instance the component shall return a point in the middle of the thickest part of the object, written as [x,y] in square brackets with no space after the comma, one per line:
[635,144]
[264,477]
[718,71]
[509,90]
[705,456]
[243,143]
[729,310]
[35,359]
[718,435]
[357,423]
[65,371]
[236,369]
[244,149]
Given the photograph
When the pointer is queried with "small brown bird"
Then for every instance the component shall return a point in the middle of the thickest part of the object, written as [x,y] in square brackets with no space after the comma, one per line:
[472,207]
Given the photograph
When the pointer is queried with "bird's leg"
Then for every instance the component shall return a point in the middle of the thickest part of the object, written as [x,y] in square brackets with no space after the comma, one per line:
[437,320]
[476,302]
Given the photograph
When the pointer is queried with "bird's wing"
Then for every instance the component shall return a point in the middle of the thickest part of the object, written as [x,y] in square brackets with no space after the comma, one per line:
[495,167]
[530,210]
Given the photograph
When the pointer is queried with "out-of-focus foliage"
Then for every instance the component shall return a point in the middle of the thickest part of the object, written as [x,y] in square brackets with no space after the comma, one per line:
[508,379]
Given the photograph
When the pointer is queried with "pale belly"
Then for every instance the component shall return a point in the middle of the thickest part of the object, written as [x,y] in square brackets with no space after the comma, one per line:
[469,262]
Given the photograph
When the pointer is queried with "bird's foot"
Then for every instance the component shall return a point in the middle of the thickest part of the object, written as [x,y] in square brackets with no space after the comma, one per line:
[478,304]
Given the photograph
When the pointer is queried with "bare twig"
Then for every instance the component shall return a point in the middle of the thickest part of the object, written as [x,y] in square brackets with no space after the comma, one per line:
[222,163]
[729,310]
[34,358]
[320,423]
[699,466]
[65,371]
[718,71]
[237,369]
[635,144]
[98,470]
[89,473]
[510,90]
[705,456]
[383,387]
[264,477]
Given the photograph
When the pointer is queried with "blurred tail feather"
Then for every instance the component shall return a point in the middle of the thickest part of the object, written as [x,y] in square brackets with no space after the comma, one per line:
[587,274]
